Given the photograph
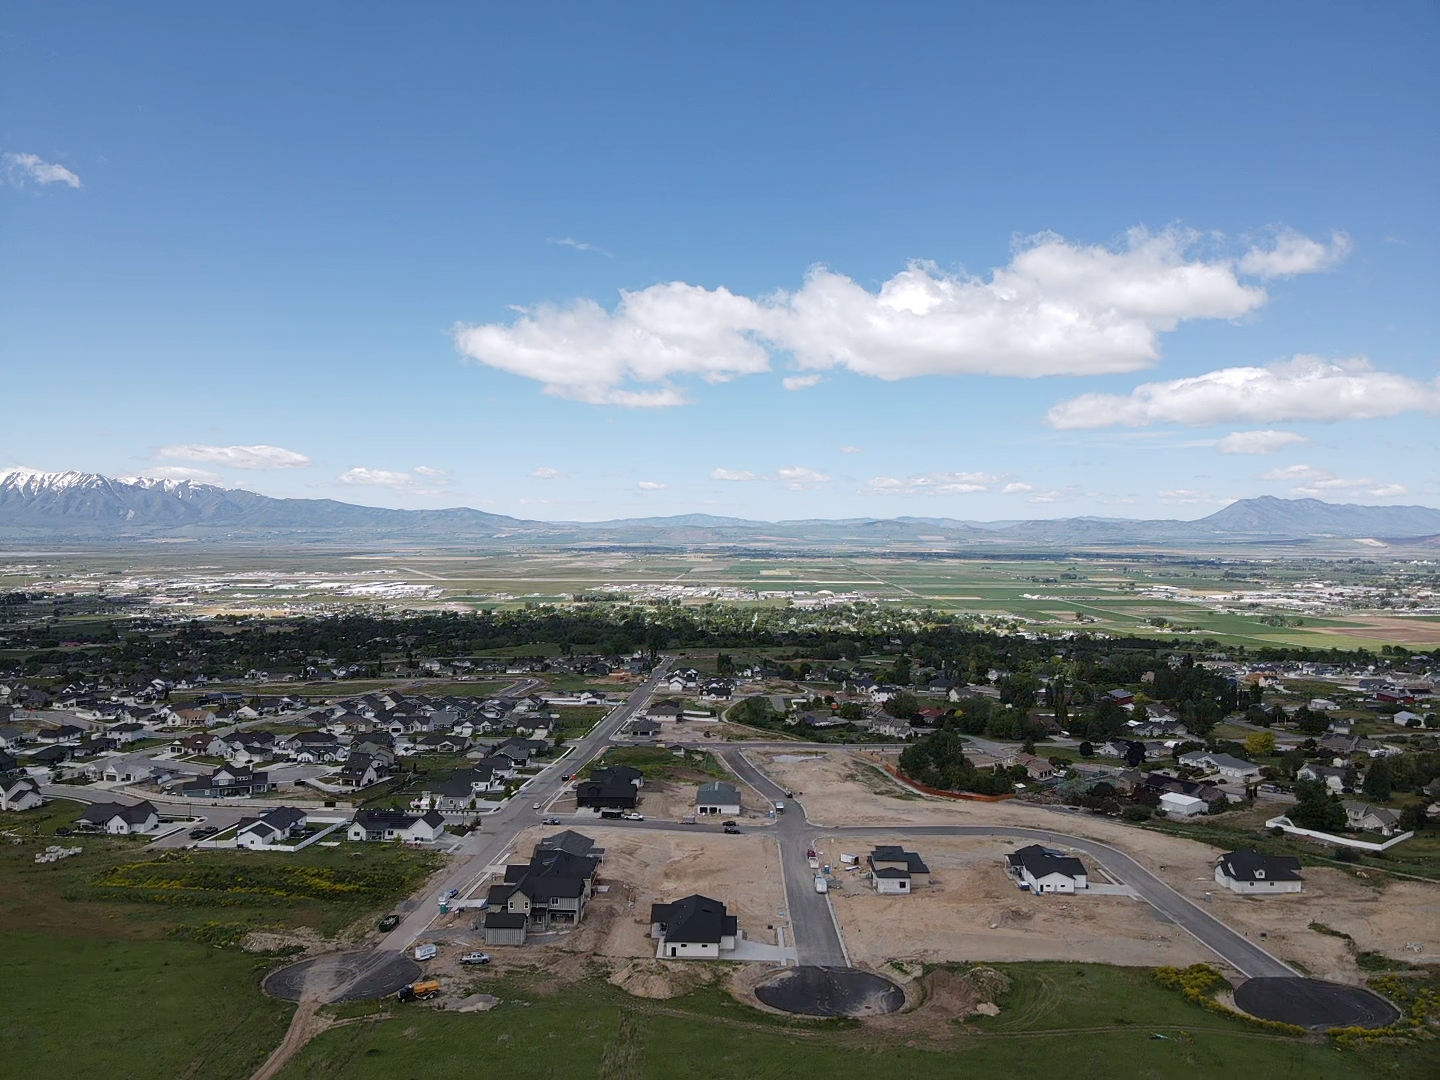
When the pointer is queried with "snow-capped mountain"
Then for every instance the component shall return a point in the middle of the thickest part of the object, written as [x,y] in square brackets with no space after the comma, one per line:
[87,507]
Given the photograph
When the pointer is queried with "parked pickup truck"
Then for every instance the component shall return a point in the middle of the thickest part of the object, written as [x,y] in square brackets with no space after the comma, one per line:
[419,991]
[388,923]
[475,958]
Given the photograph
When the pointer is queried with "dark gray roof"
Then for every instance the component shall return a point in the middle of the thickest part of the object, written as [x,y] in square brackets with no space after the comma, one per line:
[503,920]
[696,920]
[718,792]
[1249,865]
[569,841]
[1041,861]
[894,853]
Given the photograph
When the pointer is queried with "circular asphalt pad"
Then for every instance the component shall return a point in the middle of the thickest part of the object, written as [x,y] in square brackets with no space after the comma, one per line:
[831,991]
[347,976]
[1313,1003]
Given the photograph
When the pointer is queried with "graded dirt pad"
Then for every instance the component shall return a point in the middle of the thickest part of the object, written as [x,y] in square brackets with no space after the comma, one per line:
[831,991]
[675,800]
[1386,628]
[347,976]
[1381,914]
[1313,1003]
[972,911]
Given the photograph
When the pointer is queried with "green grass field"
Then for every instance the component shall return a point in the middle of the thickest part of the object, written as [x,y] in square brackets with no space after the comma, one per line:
[1092,1020]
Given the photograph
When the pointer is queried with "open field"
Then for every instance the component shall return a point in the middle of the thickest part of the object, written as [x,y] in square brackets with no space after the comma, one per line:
[1097,1020]
[88,1007]
[1253,601]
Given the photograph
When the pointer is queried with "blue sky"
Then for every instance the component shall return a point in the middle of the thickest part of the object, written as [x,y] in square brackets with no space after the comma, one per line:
[1047,261]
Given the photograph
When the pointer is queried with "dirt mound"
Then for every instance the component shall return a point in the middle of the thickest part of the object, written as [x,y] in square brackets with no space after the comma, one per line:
[949,994]
[658,980]
[275,941]
[990,985]
[1012,917]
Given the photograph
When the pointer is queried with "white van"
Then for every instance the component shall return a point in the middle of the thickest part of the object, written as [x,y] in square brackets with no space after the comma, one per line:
[821,885]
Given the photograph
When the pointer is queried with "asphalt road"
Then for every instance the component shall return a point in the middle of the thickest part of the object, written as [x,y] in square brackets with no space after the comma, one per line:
[817,938]
[496,835]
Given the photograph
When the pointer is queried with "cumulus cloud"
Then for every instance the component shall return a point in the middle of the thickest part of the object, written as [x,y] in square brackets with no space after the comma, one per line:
[939,483]
[426,470]
[239,457]
[1016,488]
[801,382]
[1294,253]
[1259,442]
[1305,388]
[20,169]
[732,475]
[650,485]
[1056,309]
[800,478]
[544,472]
[1318,483]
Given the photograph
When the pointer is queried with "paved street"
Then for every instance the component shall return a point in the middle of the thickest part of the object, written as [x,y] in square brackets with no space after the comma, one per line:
[496,836]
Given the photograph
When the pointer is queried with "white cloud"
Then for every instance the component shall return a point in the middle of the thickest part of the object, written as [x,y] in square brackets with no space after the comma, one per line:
[650,485]
[794,477]
[1293,254]
[1305,388]
[182,472]
[239,457]
[800,478]
[801,382]
[1056,309]
[940,483]
[426,470]
[544,472]
[851,450]
[1259,442]
[20,168]
[1322,483]
[1017,488]
[578,245]
[377,478]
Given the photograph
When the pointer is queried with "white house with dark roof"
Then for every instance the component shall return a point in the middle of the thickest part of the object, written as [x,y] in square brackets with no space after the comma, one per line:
[1045,871]
[695,928]
[19,793]
[270,829]
[119,819]
[895,871]
[1251,874]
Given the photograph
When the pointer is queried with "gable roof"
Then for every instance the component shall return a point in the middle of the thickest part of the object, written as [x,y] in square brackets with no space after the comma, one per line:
[1249,865]
[1040,862]
[104,813]
[717,792]
[570,842]
[695,920]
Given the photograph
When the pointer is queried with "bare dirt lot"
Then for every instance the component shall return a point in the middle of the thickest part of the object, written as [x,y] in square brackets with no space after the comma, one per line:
[840,788]
[1388,628]
[971,910]
[675,800]
[641,867]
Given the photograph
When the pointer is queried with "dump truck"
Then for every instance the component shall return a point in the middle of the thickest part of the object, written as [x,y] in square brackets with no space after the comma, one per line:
[419,991]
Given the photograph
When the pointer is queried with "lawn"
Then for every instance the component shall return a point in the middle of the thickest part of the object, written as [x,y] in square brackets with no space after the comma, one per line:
[122,1010]
[1099,1021]
[656,763]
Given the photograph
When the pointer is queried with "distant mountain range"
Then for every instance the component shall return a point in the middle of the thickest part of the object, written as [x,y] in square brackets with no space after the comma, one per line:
[45,509]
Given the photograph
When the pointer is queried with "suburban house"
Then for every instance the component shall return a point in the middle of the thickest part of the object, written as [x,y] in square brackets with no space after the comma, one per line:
[120,819]
[1332,776]
[644,729]
[396,825]
[574,843]
[1037,768]
[717,798]
[893,870]
[1252,874]
[19,793]
[606,794]
[665,710]
[520,751]
[1232,768]
[361,770]
[1045,871]
[273,827]
[1121,697]
[459,791]
[131,770]
[227,781]
[695,928]
[626,773]
[1182,806]
[1368,818]
[551,889]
